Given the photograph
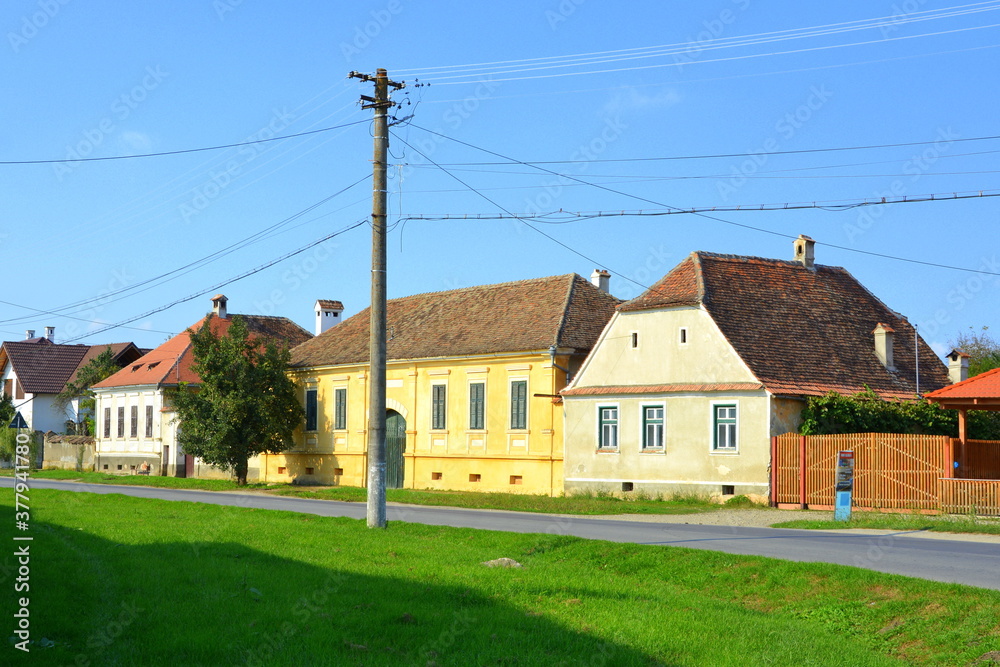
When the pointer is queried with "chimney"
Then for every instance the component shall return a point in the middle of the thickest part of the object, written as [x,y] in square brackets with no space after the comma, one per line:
[219,305]
[805,253]
[29,334]
[958,366]
[601,279]
[883,345]
[327,314]
[50,333]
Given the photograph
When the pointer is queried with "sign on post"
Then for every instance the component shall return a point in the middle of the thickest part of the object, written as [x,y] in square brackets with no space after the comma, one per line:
[845,486]
[18,421]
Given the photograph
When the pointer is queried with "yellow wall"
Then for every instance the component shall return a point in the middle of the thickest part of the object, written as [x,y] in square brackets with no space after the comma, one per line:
[521,461]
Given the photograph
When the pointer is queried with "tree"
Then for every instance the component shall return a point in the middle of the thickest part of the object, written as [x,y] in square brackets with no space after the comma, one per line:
[99,368]
[245,404]
[983,350]
[6,410]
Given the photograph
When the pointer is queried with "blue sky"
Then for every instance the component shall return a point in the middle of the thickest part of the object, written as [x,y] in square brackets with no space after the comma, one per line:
[108,80]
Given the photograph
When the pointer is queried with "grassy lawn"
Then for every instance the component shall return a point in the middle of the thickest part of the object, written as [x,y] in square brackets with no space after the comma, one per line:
[122,581]
[907,521]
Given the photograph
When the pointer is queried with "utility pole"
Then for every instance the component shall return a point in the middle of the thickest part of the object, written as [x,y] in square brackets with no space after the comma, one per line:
[376,342]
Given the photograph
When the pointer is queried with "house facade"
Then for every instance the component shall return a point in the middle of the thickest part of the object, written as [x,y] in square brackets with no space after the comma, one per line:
[34,371]
[689,381]
[472,382]
[135,421]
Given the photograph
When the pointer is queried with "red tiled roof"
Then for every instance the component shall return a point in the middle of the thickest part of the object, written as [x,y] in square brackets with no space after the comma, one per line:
[170,363]
[566,311]
[327,303]
[674,388]
[123,353]
[983,386]
[801,332]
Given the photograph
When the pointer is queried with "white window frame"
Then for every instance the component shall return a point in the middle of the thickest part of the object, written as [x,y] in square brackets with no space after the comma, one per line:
[642,428]
[600,427]
[712,421]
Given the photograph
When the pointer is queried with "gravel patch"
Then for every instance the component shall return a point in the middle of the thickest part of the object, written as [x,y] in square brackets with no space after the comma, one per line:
[750,518]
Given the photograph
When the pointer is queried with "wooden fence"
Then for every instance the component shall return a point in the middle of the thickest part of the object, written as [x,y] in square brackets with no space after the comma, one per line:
[892,471]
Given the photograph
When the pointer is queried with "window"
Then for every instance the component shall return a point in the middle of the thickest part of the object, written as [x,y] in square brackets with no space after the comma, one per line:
[608,432]
[725,428]
[683,336]
[149,421]
[8,387]
[121,422]
[652,427]
[635,339]
[311,409]
[439,406]
[133,423]
[340,409]
[477,405]
[519,404]
[107,422]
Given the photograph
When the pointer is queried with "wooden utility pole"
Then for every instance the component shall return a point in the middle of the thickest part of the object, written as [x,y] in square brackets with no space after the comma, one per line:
[376,343]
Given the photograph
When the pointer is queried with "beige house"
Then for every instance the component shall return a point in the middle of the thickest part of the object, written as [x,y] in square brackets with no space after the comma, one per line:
[689,381]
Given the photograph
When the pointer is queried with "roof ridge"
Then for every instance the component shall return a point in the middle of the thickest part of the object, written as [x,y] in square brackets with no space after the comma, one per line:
[565,309]
[488,286]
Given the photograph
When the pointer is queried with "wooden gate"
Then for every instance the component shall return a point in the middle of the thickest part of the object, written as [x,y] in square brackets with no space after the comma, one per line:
[395,445]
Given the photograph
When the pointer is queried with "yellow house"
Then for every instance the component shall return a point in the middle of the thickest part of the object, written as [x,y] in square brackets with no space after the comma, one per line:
[472,388]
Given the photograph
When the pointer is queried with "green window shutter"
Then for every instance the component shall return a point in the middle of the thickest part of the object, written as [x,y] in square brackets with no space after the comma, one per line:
[438,406]
[519,404]
[312,409]
[477,405]
[340,409]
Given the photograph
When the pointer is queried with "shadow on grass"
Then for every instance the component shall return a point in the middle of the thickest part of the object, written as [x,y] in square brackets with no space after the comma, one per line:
[98,602]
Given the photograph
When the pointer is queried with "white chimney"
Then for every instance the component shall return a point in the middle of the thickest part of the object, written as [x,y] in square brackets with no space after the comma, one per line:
[883,345]
[327,314]
[219,305]
[601,279]
[958,366]
[29,334]
[805,253]
[50,333]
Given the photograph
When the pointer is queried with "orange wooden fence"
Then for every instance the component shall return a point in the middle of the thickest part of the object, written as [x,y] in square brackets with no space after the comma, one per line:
[963,496]
[982,460]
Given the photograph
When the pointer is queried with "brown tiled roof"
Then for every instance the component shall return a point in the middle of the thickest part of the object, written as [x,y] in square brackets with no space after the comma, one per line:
[43,367]
[673,388]
[566,311]
[123,353]
[801,332]
[327,303]
[170,363]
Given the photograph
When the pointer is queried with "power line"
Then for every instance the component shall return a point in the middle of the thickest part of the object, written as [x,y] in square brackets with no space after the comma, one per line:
[180,152]
[702,215]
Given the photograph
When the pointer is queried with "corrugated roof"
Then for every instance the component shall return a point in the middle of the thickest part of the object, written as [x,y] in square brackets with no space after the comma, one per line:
[567,311]
[801,332]
[171,363]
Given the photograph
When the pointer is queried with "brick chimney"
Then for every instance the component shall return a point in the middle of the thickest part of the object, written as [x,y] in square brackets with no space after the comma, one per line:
[883,345]
[327,314]
[805,253]
[601,279]
[219,305]
[958,366]
[50,334]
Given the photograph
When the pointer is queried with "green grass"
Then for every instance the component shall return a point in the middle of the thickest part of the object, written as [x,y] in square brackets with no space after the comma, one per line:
[140,480]
[123,581]
[948,523]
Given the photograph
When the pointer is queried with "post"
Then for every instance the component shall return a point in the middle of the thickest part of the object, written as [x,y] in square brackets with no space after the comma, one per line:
[376,511]
[802,473]
[774,471]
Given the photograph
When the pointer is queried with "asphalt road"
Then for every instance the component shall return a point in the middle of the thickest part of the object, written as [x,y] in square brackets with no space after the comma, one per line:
[975,563]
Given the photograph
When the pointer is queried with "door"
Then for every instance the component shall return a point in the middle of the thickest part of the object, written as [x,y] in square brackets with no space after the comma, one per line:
[395,445]
[188,465]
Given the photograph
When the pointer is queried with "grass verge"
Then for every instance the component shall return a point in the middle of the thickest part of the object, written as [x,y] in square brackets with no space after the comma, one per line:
[118,580]
[948,523]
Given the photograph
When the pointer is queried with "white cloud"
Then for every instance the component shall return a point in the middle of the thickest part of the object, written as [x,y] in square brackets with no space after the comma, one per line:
[633,99]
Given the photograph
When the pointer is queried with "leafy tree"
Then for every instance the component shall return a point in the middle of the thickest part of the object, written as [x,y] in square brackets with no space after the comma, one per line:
[983,350]
[6,410]
[245,405]
[867,412]
[99,368]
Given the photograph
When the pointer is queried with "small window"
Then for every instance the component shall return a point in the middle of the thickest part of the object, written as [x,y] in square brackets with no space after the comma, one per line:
[312,409]
[652,427]
[281,470]
[627,486]
[338,472]
[608,427]
[105,466]
[725,419]
[439,406]
[119,467]
[516,479]
[107,423]
[133,427]
[309,471]
[436,476]
[475,477]
[728,490]
[683,336]
[121,423]
[635,339]
[149,421]
[340,409]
